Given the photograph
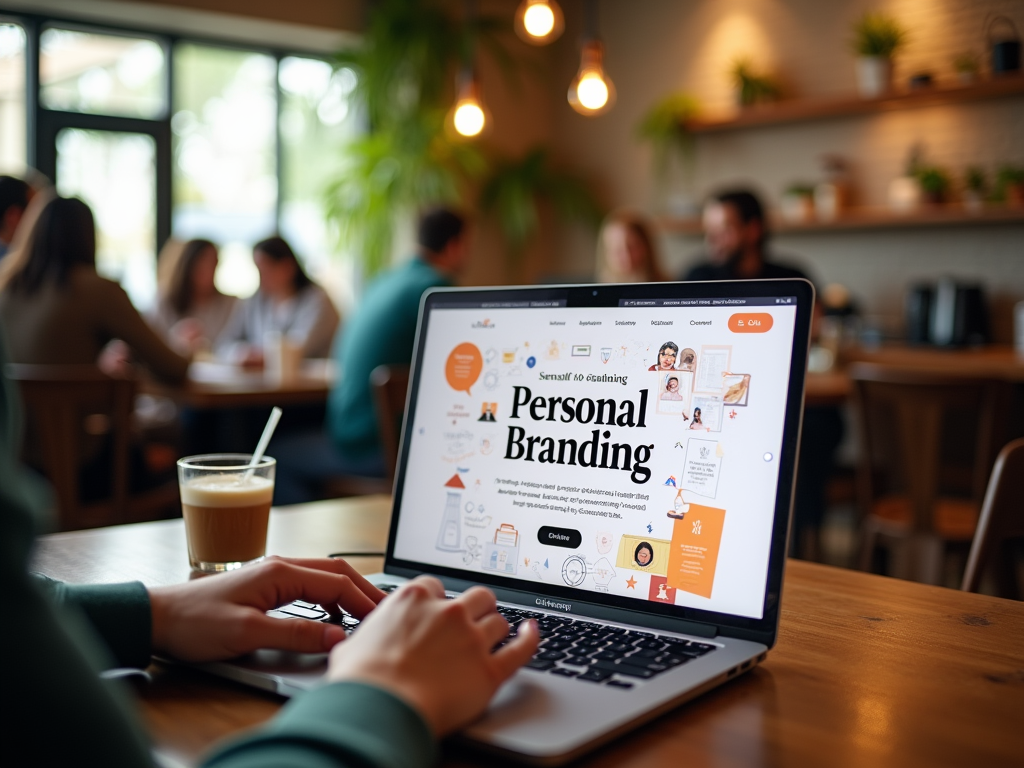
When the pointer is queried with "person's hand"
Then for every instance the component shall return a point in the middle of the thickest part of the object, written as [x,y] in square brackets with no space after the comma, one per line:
[115,360]
[435,654]
[224,616]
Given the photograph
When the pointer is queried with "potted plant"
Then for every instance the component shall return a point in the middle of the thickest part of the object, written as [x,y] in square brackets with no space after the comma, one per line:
[664,126]
[751,87]
[974,188]
[1010,185]
[876,39]
[798,202]
[934,184]
[967,66]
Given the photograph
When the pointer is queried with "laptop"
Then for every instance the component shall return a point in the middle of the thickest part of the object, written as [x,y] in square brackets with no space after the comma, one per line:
[614,461]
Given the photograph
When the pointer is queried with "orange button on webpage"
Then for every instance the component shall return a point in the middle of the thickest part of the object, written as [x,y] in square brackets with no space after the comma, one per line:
[750,322]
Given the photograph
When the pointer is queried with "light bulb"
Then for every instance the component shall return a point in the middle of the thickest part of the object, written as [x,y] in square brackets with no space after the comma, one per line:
[539,22]
[591,91]
[469,118]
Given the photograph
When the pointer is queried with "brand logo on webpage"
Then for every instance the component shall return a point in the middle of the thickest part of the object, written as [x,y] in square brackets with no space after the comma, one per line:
[485,323]
[544,603]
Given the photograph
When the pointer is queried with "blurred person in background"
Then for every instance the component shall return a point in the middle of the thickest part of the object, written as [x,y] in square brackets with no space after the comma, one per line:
[58,310]
[626,252]
[736,235]
[14,198]
[288,303]
[381,331]
[190,311]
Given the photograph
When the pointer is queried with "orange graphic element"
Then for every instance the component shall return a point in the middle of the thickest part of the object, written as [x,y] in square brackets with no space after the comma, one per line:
[454,482]
[693,554]
[750,322]
[463,367]
[631,583]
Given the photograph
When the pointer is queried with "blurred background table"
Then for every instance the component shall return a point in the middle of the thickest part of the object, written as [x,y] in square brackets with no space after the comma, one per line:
[212,385]
[867,670]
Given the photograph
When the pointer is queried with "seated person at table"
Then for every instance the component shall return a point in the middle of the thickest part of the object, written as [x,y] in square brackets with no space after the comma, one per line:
[419,667]
[190,311]
[380,332]
[58,310]
[736,234]
[287,303]
[626,252]
[14,195]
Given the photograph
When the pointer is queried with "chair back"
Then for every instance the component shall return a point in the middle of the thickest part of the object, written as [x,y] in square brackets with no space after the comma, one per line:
[1001,522]
[390,386]
[65,405]
[902,415]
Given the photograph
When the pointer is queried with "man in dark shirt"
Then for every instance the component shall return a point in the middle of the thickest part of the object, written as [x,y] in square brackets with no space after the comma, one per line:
[736,234]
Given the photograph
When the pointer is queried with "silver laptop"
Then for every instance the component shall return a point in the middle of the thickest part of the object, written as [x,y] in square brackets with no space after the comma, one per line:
[616,462]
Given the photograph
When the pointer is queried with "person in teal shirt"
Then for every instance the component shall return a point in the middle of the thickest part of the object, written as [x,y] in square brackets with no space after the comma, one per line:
[381,332]
[415,670]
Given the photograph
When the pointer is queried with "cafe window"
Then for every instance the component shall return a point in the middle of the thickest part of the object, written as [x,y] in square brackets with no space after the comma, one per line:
[162,135]
[101,74]
[12,97]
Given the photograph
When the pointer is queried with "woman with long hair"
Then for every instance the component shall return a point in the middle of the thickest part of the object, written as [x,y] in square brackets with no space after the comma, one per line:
[54,306]
[191,312]
[288,303]
[626,252]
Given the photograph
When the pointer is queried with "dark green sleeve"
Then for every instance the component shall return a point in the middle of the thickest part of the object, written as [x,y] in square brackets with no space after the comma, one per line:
[119,613]
[343,725]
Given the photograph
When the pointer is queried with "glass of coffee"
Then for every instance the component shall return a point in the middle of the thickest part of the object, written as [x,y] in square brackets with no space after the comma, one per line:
[226,506]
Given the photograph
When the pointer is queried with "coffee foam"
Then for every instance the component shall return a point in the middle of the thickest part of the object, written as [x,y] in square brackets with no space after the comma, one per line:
[227,491]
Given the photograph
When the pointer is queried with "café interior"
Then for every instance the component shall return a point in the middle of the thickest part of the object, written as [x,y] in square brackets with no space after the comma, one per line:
[212,151]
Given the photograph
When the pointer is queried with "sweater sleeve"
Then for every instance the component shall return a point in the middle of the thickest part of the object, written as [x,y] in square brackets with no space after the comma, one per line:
[123,321]
[119,613]
[342,725]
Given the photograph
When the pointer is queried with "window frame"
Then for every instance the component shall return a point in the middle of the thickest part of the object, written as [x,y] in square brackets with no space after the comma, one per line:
[43,124]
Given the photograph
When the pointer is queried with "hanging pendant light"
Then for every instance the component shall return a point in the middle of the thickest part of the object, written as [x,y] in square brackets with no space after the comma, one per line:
[539,22]
[468,117]
[591,92]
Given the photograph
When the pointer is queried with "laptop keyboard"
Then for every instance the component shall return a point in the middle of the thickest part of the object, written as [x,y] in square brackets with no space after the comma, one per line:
[596,653]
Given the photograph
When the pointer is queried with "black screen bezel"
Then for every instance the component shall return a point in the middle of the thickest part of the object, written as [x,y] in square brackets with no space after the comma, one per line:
[609,296]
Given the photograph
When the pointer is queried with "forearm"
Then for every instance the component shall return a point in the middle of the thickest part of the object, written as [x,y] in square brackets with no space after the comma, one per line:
[340,725]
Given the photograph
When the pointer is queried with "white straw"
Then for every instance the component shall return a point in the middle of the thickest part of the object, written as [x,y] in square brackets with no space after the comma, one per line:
[261,446]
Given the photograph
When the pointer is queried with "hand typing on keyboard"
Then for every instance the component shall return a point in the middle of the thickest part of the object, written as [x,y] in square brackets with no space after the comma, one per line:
[223,616]
[436,654]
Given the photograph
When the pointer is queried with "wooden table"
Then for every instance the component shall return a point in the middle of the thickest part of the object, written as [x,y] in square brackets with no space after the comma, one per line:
[220,385]
[868,671]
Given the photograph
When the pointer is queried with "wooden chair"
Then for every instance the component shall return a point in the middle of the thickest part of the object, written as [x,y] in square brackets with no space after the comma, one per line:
[390,384]
[66,407]
[390,387]
[1001,521]
[902,413]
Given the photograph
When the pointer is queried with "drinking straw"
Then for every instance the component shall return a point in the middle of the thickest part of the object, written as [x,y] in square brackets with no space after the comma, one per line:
[261,446]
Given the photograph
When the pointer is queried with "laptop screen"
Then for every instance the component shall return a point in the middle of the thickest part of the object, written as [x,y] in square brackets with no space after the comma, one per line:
[628,451]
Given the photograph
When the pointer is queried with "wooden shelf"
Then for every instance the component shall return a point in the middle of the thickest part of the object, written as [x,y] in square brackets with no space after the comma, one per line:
[822,109]
[875,219]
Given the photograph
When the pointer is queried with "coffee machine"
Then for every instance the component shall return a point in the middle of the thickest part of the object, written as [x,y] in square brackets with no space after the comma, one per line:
[947,313]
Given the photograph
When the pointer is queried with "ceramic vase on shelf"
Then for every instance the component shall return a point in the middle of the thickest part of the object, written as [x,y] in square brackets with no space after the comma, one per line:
[874,76]
[904,194]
